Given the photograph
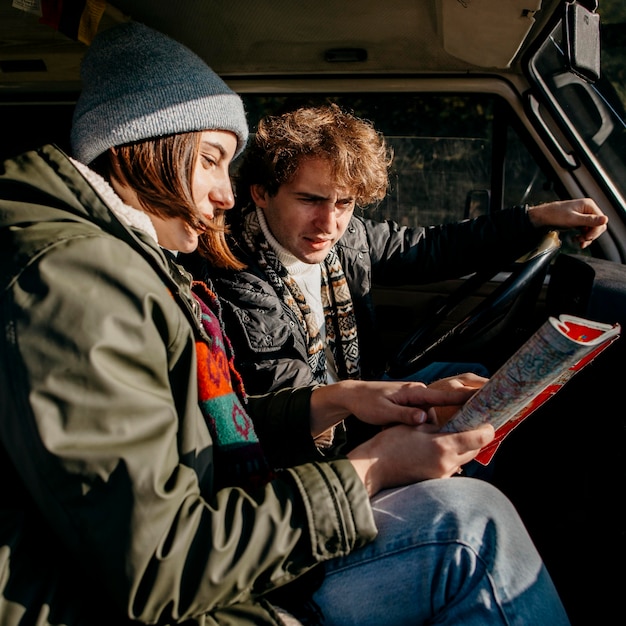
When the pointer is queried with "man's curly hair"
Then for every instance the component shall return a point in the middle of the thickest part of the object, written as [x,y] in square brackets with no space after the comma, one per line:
[357,153]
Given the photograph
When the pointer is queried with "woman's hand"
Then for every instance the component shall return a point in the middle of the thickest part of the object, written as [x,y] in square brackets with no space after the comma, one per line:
[404,454]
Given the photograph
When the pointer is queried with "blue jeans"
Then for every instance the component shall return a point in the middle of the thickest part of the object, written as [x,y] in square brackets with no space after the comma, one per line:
[449,551]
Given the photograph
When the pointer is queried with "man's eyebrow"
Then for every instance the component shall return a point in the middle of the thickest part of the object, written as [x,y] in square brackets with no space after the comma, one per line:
[310,194]
[315,196]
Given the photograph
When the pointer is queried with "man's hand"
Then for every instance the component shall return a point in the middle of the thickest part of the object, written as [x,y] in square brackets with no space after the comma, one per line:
[384,403]
[581,213]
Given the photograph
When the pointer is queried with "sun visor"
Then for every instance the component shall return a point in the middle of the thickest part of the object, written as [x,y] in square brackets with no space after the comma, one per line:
[487,33]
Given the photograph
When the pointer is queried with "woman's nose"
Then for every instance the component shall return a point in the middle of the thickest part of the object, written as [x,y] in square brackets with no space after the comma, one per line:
[222,194]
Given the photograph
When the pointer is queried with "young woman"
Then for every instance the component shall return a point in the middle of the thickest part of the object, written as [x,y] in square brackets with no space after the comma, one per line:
[135,489]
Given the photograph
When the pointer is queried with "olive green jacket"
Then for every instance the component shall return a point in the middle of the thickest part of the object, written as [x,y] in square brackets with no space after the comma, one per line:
[108,514]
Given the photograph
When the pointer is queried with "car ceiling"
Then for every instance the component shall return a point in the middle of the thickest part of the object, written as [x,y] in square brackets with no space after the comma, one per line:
[292,37]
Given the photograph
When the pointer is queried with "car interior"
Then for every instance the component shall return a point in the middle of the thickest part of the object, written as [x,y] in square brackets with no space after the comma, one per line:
[486,104]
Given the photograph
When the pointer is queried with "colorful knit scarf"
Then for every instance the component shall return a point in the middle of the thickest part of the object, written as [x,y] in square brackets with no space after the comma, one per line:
[341,329]
[222,400]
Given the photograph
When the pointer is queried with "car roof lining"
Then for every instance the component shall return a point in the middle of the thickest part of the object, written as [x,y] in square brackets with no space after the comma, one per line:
[280,36]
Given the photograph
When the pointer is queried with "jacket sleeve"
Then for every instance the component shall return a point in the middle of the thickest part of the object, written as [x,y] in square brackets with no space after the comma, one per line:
[281,420]
[110,443]
[401,254]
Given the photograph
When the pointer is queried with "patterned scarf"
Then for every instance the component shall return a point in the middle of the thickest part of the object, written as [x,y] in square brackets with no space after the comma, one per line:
[341,330]
[222,400]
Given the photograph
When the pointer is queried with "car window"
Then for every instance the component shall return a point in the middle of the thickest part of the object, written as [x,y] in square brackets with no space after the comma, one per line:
[455,155]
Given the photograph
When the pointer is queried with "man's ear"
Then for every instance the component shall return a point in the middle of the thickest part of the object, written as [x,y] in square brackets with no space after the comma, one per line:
[258,195]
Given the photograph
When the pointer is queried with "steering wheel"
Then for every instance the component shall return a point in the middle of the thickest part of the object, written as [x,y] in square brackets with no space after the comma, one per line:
[425,345]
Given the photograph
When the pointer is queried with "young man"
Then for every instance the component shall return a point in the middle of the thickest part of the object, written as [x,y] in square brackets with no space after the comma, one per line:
[301,311]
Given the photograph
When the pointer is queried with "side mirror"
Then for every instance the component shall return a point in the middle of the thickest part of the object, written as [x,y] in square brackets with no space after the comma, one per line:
[581,36]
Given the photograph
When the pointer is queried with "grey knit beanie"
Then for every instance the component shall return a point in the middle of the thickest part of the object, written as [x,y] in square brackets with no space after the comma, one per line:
[140,84]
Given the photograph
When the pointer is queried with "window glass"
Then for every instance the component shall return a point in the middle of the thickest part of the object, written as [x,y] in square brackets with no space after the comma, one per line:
[526,180]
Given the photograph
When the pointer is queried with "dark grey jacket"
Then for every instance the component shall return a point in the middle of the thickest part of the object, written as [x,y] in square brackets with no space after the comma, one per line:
[108,510]
[269,342]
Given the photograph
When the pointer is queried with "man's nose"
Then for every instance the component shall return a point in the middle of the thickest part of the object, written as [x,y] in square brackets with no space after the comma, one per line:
[326,215]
